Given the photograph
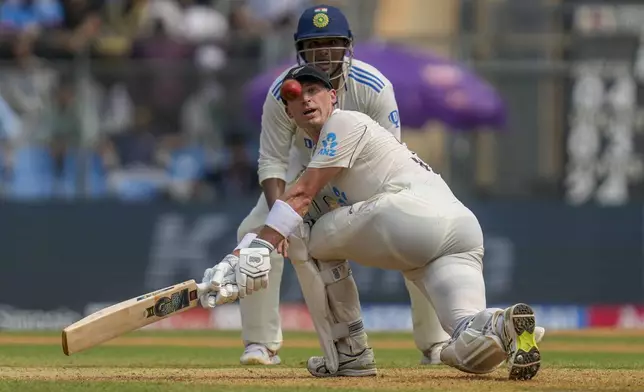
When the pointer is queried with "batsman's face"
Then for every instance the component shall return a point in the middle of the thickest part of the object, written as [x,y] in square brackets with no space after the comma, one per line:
[325,53]
[311,110]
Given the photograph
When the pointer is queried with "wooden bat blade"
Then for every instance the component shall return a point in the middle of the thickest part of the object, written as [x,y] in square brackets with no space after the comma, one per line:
[130,315]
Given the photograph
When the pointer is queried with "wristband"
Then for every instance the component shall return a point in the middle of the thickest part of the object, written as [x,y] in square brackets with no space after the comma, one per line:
[248,238]
[260,243]
[283,219]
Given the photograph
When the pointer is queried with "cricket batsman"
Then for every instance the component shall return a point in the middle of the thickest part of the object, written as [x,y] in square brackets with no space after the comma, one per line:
[399,215]
[324,39]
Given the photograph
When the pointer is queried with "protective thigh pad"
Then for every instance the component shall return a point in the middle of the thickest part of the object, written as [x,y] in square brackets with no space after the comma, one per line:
[474,347]
[331,296]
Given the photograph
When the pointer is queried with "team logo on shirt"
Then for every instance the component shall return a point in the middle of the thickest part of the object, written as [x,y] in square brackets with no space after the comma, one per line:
[331,202]
[329,145]
[340,199]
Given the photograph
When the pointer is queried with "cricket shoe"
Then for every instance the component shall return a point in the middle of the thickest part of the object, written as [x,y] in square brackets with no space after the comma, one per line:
[538,334]
[258,354]
[362,364]
[518,337]
[432,356]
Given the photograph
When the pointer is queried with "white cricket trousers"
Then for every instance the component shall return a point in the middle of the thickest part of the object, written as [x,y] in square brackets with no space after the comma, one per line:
[427,234]
[260,313]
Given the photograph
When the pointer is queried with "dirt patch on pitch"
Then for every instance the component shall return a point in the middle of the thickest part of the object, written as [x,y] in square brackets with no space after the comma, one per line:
[400,379]
[378,344]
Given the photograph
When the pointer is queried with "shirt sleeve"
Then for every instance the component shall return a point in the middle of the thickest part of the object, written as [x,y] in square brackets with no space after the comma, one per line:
[274,140]
[341,141]
[384,109]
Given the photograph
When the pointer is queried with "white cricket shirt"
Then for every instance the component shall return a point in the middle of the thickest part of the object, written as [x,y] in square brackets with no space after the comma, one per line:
[286,148]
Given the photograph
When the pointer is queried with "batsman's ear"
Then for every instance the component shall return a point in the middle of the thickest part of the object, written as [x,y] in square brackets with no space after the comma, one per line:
[334,96]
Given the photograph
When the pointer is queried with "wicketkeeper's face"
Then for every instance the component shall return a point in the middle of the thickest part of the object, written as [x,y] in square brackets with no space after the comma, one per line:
[311,109]
[325,53]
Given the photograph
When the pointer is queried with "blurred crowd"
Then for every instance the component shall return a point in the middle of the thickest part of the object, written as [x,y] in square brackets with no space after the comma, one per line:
[133,99]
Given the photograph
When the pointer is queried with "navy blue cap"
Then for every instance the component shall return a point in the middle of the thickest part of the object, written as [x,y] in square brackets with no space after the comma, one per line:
[305,73]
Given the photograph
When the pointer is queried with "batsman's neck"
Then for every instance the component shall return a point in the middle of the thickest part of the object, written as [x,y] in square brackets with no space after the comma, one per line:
[314,133]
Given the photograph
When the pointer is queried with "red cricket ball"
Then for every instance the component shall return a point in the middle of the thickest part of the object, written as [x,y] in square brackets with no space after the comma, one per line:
[291,89]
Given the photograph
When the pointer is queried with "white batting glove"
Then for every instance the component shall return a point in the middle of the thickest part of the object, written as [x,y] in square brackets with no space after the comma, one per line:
[222,281]
[254,265]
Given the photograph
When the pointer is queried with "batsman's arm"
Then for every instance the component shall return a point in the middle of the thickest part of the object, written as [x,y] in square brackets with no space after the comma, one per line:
[295,204]
[250,260]
[274,146]
[286,214]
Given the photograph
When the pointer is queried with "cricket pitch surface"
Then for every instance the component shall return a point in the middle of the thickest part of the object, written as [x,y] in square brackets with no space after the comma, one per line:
[585,360]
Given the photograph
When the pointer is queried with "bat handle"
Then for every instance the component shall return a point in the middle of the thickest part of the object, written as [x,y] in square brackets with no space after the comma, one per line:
[202,288]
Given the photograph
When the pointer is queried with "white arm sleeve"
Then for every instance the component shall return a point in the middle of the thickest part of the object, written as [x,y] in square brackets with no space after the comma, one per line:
[274,140]
[384,109]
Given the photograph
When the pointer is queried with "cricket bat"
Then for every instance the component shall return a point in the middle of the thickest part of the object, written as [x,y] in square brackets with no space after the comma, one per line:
[126,316]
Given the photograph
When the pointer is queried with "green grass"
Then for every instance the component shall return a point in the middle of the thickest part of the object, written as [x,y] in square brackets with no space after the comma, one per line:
[214,334]
[193,369]
[134,386]
[597,339]
[624,361]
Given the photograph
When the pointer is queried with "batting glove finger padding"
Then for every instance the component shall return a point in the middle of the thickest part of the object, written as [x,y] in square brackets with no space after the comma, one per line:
[222,281]
[250,285]
[253,267]
[224,271]
[229,292]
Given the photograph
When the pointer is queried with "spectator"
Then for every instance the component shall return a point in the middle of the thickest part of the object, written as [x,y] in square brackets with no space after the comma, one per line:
[27,87]
[188,20]
[240,175]
[80,27]
[19,16]
[186,164]
[134,171]
[123,21]
[61,123]
[9,134]
[264,29]
[9,123]
[202,117]
[279,14]
[163,84]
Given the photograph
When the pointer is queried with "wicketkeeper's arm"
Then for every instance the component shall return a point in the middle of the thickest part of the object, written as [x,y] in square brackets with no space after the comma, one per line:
[273,188]
[274,147]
